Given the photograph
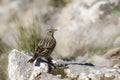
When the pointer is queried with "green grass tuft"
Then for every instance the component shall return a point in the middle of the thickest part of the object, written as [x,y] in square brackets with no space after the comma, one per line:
[28,37]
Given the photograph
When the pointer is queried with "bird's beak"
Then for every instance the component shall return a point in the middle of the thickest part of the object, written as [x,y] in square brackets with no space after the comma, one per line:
[55,30]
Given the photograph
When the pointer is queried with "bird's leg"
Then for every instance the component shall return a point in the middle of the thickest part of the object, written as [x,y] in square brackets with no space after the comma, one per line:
[50,61]
[35,55]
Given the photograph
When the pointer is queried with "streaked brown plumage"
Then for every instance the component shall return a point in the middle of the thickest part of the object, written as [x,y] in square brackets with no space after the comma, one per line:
[45,46]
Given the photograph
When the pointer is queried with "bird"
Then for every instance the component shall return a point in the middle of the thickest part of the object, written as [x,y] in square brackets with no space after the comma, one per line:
[45,46]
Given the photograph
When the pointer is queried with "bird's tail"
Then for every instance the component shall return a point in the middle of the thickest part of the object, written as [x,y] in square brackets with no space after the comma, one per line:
[33,58]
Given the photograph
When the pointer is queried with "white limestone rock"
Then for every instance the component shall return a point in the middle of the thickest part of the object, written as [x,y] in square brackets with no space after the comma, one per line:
[92,73]
[19,69]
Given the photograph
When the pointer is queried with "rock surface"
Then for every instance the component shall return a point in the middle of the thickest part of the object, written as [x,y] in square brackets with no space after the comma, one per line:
[18,69]
[92,73]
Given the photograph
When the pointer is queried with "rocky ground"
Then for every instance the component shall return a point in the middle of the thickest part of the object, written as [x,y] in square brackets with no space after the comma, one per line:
[19,69]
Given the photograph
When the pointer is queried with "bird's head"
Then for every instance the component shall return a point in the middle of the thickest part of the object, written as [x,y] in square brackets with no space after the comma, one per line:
[51,31]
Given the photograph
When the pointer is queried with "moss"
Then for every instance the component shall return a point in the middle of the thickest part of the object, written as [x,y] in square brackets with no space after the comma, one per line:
[58,71]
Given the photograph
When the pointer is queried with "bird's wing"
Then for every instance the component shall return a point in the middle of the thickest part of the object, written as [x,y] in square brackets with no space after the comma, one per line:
[45,46]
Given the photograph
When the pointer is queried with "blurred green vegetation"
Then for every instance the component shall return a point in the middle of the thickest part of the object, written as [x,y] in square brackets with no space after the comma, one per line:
[28,37]
[4,48]
[3,66]
[115,11]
